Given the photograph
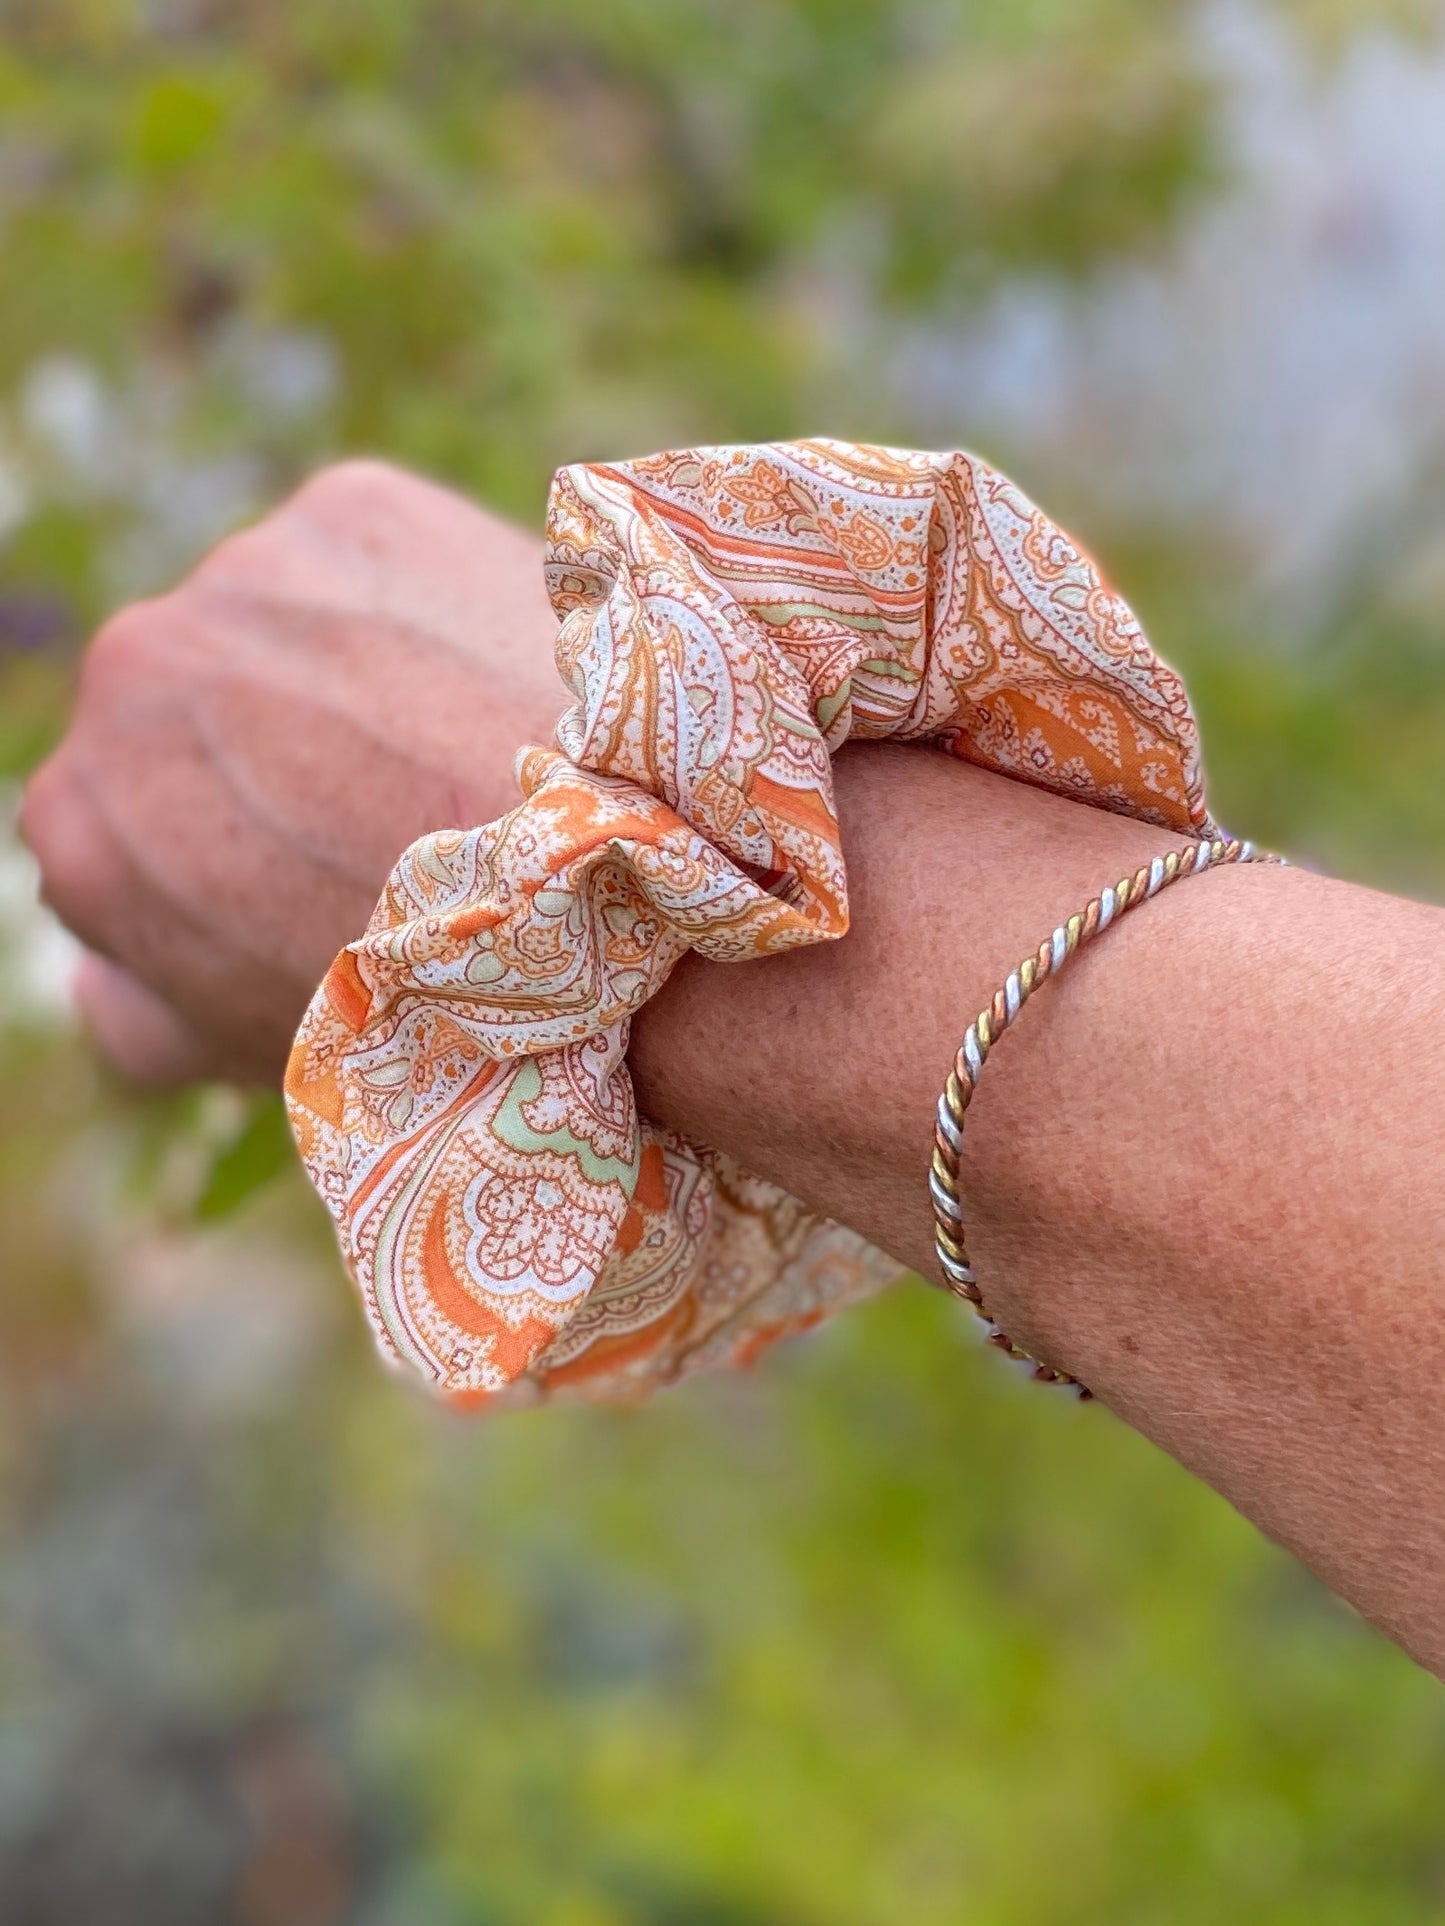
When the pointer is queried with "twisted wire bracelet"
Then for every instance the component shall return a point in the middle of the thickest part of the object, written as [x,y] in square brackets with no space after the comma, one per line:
[1098,915]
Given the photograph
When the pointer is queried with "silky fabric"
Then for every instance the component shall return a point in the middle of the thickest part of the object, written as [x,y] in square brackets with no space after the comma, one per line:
[728,618]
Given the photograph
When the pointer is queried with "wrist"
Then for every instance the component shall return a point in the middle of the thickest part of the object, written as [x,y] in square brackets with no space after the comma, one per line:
[820,1068]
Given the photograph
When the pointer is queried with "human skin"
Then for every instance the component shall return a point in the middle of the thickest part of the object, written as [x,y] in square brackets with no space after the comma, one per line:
[1205,1174]
[249,753]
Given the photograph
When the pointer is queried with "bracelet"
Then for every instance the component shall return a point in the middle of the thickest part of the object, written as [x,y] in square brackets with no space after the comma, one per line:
[1098,915]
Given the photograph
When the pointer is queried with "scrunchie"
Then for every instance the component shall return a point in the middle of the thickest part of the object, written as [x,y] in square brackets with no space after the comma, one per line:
[729,618]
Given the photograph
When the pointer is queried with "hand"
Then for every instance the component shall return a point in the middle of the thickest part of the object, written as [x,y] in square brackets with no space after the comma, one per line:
[250,753]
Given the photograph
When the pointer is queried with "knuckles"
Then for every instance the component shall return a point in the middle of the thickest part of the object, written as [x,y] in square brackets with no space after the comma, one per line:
[125,642]
[130,653]
[355,475]
[349,503]
[362,488]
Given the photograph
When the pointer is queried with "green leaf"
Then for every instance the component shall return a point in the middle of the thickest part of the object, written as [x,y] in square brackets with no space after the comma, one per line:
[258,1153]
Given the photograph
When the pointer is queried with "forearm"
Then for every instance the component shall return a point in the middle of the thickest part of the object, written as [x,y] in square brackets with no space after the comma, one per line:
[1204,1174]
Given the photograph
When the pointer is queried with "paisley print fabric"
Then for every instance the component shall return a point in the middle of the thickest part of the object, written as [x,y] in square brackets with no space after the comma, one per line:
[729,617]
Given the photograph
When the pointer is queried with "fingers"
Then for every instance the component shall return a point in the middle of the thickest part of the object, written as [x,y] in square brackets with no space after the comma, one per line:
[80,875]
[82,871]
[226,1012]
[139,1034]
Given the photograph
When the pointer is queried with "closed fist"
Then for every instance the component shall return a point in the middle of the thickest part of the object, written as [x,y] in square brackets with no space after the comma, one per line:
[250,753]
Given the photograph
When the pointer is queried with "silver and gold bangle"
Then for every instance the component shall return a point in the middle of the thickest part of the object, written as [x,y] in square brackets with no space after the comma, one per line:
[1098,915]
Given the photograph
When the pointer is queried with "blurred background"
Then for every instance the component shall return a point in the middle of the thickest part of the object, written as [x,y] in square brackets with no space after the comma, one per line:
[876,1634]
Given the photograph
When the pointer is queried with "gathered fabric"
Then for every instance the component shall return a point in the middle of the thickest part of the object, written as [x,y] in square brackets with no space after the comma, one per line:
[728,619]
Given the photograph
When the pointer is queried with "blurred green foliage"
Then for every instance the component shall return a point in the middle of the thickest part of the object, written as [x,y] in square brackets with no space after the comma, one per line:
[571,227]
[874,1635]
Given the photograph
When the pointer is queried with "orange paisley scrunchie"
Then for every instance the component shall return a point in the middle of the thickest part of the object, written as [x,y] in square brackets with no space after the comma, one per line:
[729,618]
